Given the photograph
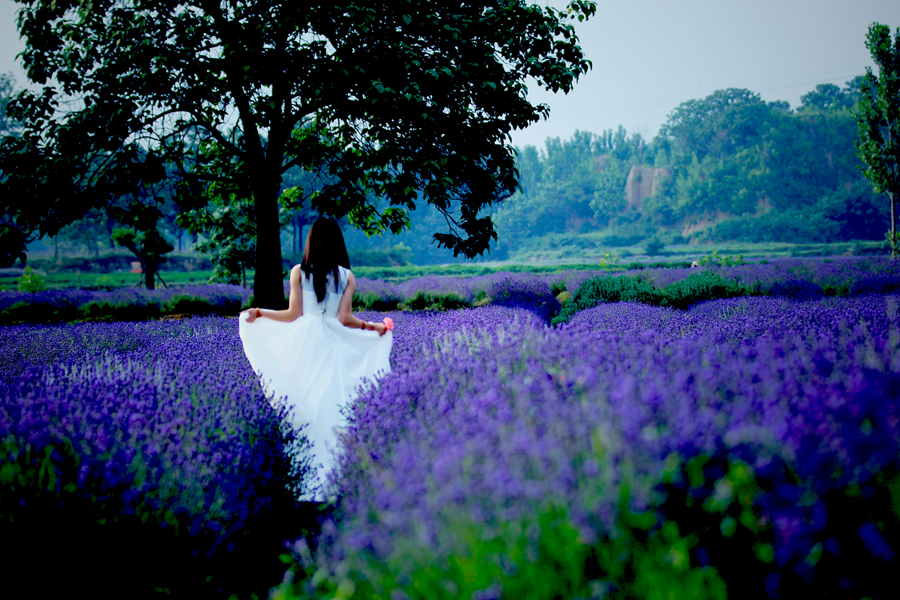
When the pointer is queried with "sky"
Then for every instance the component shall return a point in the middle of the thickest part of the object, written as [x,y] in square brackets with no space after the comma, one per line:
[651,55]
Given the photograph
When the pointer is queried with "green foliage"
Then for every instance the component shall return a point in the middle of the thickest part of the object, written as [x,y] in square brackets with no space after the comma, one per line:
[230,238]
[110,311]
[184,304]
[893,240]
[878,118]
[574,185]
[731,167]
[609,289]
[440,302]
[375,302]
[31,282]
[142,237]
[791,224]
[697,287]
[654,246]
[721,260]
[828,97]
[645,557]
[396,256]
[609,260]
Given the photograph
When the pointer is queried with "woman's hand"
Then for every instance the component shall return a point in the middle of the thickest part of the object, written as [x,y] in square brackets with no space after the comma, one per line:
[384,326]
[252,314]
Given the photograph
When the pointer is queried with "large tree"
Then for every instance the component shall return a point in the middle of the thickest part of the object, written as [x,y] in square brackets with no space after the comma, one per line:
[878,116]
[399,100]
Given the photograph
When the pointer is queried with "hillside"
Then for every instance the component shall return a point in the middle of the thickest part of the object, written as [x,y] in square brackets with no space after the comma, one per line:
[728,168]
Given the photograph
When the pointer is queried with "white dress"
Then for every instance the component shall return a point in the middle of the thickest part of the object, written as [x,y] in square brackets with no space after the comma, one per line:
[316,364]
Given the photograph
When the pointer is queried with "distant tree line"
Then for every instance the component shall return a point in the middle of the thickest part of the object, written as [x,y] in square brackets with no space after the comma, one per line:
[728,167]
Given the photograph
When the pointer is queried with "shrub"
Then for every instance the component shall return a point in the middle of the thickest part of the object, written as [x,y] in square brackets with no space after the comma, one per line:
[31,282]
[375,294]
[600,290]
[435,301]
[697,287]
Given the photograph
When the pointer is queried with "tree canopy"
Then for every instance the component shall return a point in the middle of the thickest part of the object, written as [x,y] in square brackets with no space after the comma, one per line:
[397,100]
[878,115]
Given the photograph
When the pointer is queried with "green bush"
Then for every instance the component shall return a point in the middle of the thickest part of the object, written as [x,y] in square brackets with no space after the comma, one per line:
[705,285]
[374,302]
[107,311]
[697,287]
[600,290]
[185,304]
[31,282]
[427,301]
[38,312]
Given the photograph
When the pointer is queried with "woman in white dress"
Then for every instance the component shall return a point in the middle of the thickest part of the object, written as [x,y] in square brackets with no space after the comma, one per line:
[316,353]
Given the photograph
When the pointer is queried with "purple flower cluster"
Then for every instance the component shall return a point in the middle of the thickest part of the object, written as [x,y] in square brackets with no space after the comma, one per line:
[122,304]
[524,291]
[489,417]
[163,420]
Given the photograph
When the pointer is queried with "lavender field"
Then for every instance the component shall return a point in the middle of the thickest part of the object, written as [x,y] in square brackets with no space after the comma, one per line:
[744,447]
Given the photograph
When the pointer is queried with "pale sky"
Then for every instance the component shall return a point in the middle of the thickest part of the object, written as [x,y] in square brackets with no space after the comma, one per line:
[650,55]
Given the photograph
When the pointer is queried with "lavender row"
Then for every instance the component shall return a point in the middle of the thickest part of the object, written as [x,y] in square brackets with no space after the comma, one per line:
[162,421]
[805,278]
[796,278]
[124,304]
[490,417]
[793,278]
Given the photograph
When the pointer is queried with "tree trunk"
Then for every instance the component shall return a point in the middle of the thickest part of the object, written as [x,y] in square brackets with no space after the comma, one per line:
[893,225]
[268,290]
[150,275]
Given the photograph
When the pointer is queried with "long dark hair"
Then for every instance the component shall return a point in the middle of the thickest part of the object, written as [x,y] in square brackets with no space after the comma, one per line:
[325,251]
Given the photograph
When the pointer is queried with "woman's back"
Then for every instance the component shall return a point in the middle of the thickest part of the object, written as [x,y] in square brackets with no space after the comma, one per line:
[330,304]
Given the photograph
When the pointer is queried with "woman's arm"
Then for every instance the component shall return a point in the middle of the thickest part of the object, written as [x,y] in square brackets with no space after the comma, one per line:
[295,303]
[345,310]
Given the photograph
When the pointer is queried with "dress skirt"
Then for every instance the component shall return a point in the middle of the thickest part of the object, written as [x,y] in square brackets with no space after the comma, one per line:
[315,365]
